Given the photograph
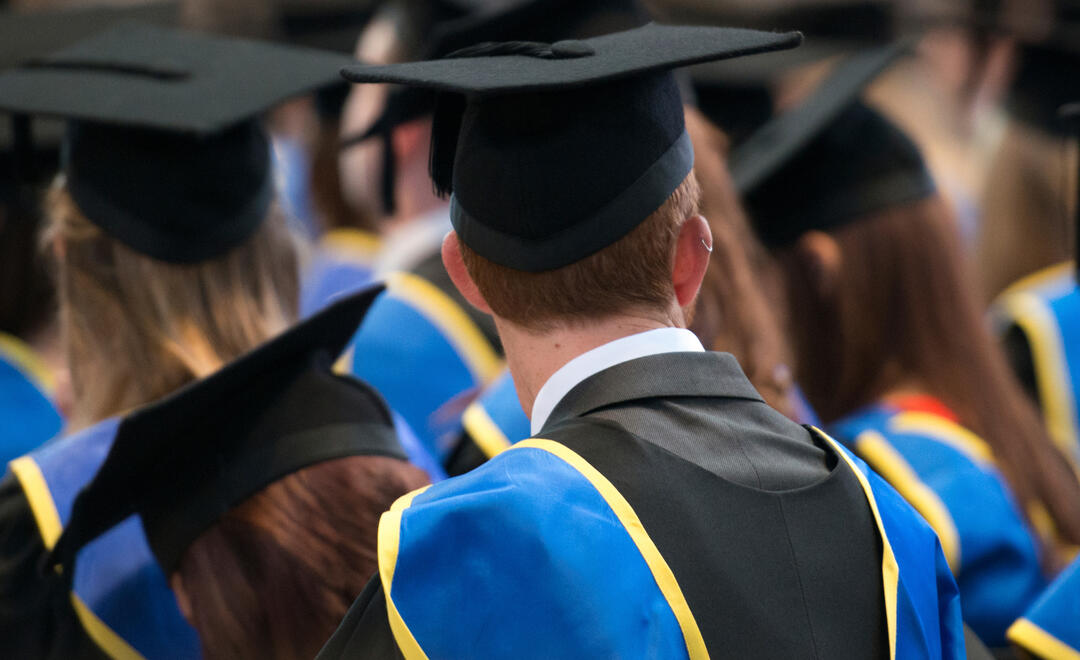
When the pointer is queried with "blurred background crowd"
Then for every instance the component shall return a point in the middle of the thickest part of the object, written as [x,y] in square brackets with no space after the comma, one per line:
[893,206]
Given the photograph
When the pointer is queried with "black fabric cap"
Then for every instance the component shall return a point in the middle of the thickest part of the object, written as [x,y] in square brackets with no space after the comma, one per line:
[775,144]
[25,35]
[272,412]
[502,20]
[830,160]
[164,150]
[555,151]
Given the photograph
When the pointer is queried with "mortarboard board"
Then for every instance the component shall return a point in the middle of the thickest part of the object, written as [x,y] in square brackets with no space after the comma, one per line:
[164,150]
[495,20]
[830,160]
[181,463]
[555,151]
[739,96]
[28,34]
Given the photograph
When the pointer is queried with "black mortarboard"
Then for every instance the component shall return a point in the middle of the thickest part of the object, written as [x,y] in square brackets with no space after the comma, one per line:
[739,96]
[164,150]
[181,463]
[28,34]
[555,151]
[1046,77]
[497,20]
[829,161]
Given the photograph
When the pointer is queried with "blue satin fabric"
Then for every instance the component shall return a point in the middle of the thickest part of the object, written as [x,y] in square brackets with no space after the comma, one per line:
[524,557]
[999,573]
[27,415]
[419,372]
[503,562]
[329,277]
[1057,612]
[116,575]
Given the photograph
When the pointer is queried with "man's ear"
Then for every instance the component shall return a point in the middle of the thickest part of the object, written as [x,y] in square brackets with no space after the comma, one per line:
[459,275]
[692,250]
[824,256]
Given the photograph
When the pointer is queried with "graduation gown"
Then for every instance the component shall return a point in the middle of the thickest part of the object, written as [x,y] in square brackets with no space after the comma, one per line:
[120,604]
[1050,629]
[948,474]
[341,263]
[28,416]
[495,420]
[428,352]
[1038,318]
[663,511]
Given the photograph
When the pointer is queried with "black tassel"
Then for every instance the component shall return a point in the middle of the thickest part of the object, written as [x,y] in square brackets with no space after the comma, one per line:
[445,128]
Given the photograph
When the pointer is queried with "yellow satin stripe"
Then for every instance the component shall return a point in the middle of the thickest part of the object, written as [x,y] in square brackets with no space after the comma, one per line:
[112,644]
[344,363]
[886,461]
[23,358]
[890,570]
[41,502]
[352,244]
[941,429]
[1034,639]
[1038,278]
[1031,314]
[389,542]
[48,521]
[455,324]
[483,430]
[665,579]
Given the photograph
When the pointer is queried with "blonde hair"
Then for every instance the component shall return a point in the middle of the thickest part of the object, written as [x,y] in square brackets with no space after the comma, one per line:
[136,328]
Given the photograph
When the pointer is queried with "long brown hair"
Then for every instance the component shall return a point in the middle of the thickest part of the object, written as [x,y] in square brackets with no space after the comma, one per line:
[901,313]
[136,328]
[274,577]
[732,313]
[335,211]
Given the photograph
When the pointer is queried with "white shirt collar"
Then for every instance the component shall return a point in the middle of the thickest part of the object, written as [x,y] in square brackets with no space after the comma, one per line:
[651,342]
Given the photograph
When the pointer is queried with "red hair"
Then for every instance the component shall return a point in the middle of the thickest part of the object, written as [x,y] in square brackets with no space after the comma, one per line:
[276,574]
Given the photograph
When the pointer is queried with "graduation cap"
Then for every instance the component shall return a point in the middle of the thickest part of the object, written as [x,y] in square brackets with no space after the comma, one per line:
[740,96]
[495,20]
[28,34]
[553,151]
[829,161]
[1046,78]
[164,150]
[272,412]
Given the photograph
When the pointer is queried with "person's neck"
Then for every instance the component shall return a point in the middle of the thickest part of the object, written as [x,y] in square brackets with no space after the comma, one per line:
[534,356]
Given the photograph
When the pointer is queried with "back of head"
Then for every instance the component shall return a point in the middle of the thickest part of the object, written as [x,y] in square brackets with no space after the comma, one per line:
[899,311]
[630,276]
[173,257]
[276,574]
[137,328]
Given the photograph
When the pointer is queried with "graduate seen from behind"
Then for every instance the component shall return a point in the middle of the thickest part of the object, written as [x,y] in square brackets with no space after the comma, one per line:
[172,260]
[663,509]
[265,520]
[891,347]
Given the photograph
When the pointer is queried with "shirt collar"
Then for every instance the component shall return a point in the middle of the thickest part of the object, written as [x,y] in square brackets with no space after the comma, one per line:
[643,344]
